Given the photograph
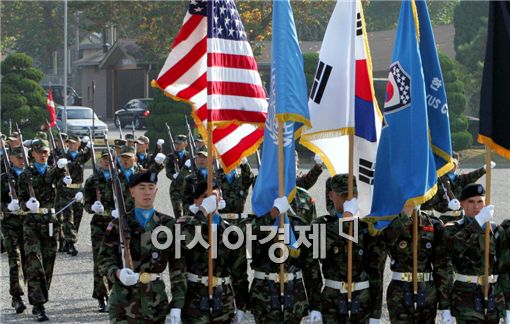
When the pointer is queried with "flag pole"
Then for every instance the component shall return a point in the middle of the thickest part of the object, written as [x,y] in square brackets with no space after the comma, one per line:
[487,226]
[415,257]
[210,216]
[281,193]
[350,194]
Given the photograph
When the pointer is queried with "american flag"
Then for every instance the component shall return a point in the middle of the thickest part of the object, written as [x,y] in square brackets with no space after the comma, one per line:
[211,66]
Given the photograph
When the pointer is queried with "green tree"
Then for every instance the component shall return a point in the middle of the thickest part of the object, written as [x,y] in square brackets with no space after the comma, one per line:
[23,99]
[310,61]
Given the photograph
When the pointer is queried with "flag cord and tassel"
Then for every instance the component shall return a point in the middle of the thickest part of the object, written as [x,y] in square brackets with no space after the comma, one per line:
[281,193]
[487,227]
[350,194]
[210,216]
[415,257]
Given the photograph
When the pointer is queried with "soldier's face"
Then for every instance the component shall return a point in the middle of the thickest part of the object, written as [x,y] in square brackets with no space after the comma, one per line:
[201,161]
[73,146]
[41,156]
[17,162]
[141,148]
[127,161]
[180,146]
[14,143]
[105,163]
[339,199]
[144,194]
[473,205]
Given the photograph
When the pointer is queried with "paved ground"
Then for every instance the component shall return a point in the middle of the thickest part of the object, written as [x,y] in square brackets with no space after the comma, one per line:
[70,294]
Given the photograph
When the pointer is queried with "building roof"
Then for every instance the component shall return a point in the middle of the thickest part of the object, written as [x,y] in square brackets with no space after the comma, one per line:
[123,53]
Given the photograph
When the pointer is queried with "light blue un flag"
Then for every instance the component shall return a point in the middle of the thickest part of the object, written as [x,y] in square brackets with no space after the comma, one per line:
[405,170]
[288,102]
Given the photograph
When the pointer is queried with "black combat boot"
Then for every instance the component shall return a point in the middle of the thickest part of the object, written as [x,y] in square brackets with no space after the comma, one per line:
[71,249]
[61,246]
[18,305]
[101,305]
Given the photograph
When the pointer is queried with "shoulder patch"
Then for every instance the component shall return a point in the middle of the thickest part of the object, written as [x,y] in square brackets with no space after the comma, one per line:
[109,227]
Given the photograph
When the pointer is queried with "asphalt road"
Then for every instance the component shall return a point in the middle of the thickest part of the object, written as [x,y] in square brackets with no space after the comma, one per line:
[70,299]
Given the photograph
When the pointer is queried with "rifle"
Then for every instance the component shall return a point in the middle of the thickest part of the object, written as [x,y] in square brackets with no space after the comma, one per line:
[27,163]
[54,150]
[10,126]
[94,169]
[192,153]
[173,151]
[120,132]
[10,177]
[118,197]
[61,140]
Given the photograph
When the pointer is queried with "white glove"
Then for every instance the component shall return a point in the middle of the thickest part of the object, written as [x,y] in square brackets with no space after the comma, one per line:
[454,204]
[374,321]
[128,277]
[315,316]
[175,175]
[13,205]
[351,206]
[493,164]
[446,316]
[507,319]
[282,204]
[85,139]
[485,215]
[193,208]
[89,145]
[33,204]
[68,180]
[27,143]
[239,316]
[115,213]
[160,142]
[174,317]
[187,163]
[210,204]
[160,158]
[244,160]
[318,160]
[97,208]
[222,204]
[79,197]
[61,163]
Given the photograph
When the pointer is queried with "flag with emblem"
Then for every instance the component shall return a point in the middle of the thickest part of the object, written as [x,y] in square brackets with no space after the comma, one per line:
[50,105]
[211,66]
[287,103]
[343,88]
[494,102]
[405,172]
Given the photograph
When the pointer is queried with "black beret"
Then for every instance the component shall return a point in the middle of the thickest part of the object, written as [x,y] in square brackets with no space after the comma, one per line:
[149,177]
[472,190]
[200,188]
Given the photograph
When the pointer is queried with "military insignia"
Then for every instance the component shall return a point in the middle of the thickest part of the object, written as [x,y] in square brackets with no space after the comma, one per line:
[336,250]
[360,252]
[428,245]
[145,278]
[155,255]
[109,227]
[428,228]
[398,89]
[402,244]
[153,177]
[479,189]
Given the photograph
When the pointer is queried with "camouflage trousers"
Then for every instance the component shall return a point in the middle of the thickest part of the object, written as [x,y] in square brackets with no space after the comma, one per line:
[71,216]
[467,302]
[265,300]
[401,309]
[40,252]
[98,226]
[141,303]
[12,231]
[334,306]
[176,198]
[196,306]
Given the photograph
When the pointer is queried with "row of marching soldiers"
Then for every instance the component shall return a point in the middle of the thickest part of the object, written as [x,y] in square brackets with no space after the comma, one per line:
[450,265]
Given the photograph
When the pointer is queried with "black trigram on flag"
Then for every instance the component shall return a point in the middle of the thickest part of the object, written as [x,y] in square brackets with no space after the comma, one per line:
[366,171]
[359,28]
[320,81]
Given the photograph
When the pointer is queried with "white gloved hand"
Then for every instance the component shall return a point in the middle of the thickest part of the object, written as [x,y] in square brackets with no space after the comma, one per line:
[89,145]
[318,160]
[160,158]
[493,164]
[174,317]
[446,316]
[13,205]
[351,206]
[115,213]
[160,142]
[485,215]
[507,318]
[97,208]
[222,204]
[239,316]
[175,175]
[187,163]
[68,180]
[33,204]
[315,316]
[61,163]
[374,321]
[244,161]
[193,208]
[282,204]
[27,143]
[128,277]
[85,139]
[79,197]
[454,204]
[210,204]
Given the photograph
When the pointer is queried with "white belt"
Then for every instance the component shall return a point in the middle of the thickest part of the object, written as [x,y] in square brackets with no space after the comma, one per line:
[234,216]
[276,276]
[204,280]
[342,286]
[74,186]
[474,279]
[42,211]
[408,276]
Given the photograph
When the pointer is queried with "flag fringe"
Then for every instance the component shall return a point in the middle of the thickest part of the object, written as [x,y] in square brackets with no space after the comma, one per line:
[293,117]
[445,156]
[504,152]
[324,157]
[327,134]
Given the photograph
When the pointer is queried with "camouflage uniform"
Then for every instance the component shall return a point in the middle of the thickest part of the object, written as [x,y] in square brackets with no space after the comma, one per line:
[188,187]
[235,193]
[432,259]
[265,293]
[306,181]
[141,303]
[304,205]
[506,288]
[465,239]
[176,187]
[228,264]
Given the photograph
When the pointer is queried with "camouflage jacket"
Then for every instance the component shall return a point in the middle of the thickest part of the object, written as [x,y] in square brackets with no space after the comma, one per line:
[229,262]
[128,200]
[5,189]
[148,162]
[397,239]
[368,260]
[505,225]
[189,180]
[304,205]
[76,167]
[141,299]
[170,165]
[306,181]
[235,192]
[44,185]
[105,190]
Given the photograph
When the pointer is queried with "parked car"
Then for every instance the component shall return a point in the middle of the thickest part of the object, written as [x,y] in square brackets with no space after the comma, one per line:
[57,90]
[79,120]
[135,111]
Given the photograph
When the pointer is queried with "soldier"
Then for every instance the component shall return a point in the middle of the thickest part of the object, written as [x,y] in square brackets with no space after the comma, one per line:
[77,157]
[506,226]
[144,159]
[138,295]
[130,140]
[433,269]
[367,258]
[306,181]
[229,266]
[199,143]
[465,239]
[101,210]
[13,140]
[191,180]
[40,222]
[12,230]
[176,187]
[118,144]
